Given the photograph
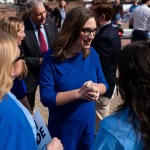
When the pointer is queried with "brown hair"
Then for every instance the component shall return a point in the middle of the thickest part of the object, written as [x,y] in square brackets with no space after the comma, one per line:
[106,8]
[70,32]
[134,86]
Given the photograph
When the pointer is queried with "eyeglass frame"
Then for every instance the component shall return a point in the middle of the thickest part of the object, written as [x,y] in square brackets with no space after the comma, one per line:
[20,57]
[89,31]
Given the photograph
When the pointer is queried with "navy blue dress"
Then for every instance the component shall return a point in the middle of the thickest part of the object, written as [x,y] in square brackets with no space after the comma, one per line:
[19,89]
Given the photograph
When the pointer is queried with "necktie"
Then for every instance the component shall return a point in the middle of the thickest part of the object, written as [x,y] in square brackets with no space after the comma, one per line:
[42,42]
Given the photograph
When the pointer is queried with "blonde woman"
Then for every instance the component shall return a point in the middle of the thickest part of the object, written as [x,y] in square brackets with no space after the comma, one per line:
[15,122]
[14,126]
[15,27]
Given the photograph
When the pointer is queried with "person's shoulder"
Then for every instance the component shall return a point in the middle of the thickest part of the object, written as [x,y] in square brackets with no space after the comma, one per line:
[11,109]
[48,54]
[118,123]
[115,119]
[28,25]
[108,28]
[27,21]
[49,20]
[48,58]
[110,33]
[109,121]
[117,128]
[93,51]
[111,29]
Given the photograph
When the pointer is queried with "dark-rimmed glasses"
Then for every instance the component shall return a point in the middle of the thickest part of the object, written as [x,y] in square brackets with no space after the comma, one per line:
[88,31]
[21,56]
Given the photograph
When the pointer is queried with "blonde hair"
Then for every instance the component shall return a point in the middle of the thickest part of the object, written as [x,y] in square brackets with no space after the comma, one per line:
[8,53]
[12,26]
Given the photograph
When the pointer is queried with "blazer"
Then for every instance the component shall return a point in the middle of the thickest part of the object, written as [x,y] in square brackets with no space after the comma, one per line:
[32,50]
[107,44]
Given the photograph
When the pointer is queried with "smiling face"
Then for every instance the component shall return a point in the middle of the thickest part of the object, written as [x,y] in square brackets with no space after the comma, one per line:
[20,35]
[87,35]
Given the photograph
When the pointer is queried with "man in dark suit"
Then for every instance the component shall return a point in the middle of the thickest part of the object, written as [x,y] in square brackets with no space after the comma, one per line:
[107,43]
[32,43]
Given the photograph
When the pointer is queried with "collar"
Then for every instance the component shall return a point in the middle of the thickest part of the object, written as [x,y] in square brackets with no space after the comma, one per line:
[34,25]
[103,25]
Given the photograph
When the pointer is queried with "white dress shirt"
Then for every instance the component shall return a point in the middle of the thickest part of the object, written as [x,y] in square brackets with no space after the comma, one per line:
[141,18]
[42,30]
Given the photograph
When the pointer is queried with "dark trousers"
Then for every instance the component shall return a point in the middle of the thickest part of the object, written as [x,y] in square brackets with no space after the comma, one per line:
[31,81]
[139,35]
[31,99]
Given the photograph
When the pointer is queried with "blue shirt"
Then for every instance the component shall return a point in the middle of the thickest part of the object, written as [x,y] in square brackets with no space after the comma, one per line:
[15,130]
[62,14]
[116,18]
[26,112]
[132,8]
[117,133]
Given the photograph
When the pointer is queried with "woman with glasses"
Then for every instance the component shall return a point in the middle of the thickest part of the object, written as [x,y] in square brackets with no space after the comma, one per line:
[16,132]
[15,27]
[71,79]
[15,122]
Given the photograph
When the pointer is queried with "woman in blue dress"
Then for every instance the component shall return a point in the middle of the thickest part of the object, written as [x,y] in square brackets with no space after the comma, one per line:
[71,79]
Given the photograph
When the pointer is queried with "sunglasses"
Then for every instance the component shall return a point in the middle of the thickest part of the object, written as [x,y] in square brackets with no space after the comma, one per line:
[21,57]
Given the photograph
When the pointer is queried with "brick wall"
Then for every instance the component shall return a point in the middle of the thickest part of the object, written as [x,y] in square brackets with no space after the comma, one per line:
[70,4]
[6,10]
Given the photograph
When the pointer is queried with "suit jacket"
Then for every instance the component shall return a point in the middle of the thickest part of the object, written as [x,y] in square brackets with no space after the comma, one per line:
[32,51]
[107,43]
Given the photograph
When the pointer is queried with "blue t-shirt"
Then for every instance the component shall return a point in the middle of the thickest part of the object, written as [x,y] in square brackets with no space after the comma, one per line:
[15,130]
[116,18]
[117,133]
[132,8]
[19,89]
[26,112]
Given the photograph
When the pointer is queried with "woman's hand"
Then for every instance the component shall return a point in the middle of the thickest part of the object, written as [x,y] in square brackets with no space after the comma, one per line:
[93,93]
[89,90]
[55,144]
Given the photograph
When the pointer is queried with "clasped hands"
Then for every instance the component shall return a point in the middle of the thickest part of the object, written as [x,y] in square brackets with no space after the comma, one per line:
[90,91]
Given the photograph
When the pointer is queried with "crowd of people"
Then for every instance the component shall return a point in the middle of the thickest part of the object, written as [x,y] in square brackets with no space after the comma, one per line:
[74,62]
